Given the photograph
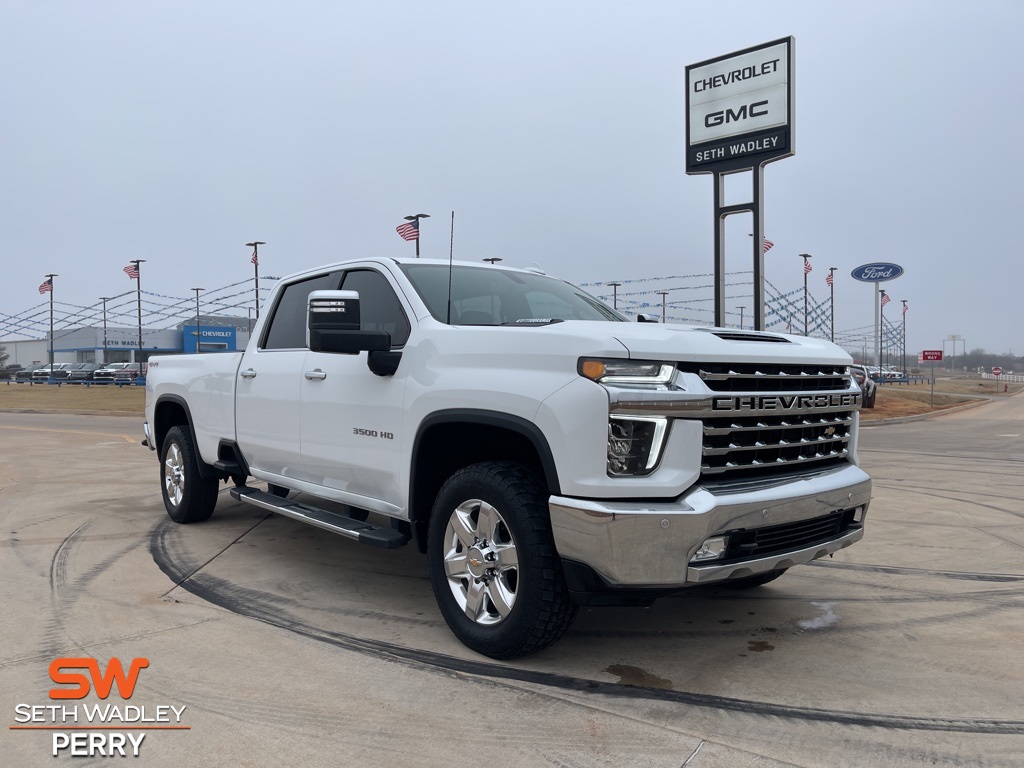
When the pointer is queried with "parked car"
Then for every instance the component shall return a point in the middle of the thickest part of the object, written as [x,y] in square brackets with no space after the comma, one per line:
[867,385]
[9,371]
[106,373]
[129,373]
[80,372]
[25,374]
[57,372]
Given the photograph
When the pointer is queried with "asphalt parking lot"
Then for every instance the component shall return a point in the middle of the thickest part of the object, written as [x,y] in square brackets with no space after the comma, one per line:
[287,645]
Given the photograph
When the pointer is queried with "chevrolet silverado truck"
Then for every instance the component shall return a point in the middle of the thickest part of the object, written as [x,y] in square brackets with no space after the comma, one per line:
[540,449]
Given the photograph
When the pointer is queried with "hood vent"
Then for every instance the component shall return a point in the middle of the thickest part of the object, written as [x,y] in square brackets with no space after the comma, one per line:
[744,336]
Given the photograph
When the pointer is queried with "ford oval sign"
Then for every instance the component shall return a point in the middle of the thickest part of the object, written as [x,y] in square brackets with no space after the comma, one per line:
[877,272]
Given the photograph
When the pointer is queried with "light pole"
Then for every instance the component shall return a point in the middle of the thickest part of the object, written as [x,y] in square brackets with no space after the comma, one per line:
[615,294]
[255,245]
[138,296]
[904,336]
[832,303]
[881,325]
[664,295]
[105,299]
[807,271]
[198,333]
[415,219]
[741,317]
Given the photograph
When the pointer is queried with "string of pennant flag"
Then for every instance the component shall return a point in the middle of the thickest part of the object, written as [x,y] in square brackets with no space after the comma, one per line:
[632,295]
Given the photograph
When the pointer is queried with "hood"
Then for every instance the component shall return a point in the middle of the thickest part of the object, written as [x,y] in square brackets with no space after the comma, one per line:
[652,341]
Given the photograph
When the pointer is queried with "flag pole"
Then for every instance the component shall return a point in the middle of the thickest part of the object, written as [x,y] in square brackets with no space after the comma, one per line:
[807,269]
[255,245]
[832,303]
[50,279]
[138,297]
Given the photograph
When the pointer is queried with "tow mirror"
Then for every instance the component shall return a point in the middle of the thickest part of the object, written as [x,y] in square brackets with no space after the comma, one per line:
[333,325]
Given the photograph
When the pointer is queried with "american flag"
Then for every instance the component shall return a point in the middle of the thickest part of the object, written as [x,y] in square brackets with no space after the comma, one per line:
[255,259]
[768,245]
[885,299]
[828,279]
[807,266]
[905,308]
[410,230]
[47,285]
[132,270]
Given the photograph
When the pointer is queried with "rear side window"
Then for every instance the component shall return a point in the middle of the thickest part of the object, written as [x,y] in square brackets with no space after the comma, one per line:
[379,307]
[288,324]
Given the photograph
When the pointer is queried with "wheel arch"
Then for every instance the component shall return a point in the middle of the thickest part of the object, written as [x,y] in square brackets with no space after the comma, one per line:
[173,411]
[449,440]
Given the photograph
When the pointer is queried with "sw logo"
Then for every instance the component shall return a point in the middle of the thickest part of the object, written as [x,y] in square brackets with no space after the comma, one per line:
[103,683]
[105,729]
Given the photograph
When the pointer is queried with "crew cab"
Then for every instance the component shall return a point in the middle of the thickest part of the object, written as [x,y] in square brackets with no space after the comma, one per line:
[540,449]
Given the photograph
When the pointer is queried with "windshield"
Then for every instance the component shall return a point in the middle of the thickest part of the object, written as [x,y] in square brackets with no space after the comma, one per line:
[489,296]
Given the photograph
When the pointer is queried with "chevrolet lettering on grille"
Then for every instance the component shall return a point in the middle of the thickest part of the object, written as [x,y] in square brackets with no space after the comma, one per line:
[786,402]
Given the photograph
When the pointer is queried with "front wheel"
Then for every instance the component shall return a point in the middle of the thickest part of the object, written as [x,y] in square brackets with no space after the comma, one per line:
[496,575]
[188,497]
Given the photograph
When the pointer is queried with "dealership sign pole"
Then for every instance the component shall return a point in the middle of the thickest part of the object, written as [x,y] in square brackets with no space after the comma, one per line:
[739,117]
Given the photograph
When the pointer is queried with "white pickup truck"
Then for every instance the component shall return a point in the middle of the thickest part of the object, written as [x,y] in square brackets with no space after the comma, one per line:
[542,450]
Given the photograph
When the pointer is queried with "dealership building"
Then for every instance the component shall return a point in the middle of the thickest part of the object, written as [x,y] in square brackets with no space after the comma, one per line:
[121,345]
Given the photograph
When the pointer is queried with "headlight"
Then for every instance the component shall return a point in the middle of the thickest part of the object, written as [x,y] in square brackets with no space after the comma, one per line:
[634,444]
[625,371]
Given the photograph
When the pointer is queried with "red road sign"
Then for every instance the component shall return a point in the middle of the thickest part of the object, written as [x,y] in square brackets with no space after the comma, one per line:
[931,354]
[997,371]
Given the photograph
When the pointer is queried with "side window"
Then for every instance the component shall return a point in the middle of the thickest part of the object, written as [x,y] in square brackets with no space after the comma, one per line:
[288,323]
[379,307]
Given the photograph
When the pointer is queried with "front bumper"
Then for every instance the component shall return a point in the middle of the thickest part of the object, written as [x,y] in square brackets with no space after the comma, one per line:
[638,544]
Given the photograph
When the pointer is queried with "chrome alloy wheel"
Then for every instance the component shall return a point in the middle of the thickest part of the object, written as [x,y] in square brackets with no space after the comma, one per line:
[481,562]
[174,475]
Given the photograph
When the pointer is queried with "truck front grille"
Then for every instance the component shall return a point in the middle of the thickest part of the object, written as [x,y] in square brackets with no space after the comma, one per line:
[776,434]
[758,377]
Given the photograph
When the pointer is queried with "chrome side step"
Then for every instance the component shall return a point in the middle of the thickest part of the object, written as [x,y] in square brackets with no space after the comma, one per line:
[365,533]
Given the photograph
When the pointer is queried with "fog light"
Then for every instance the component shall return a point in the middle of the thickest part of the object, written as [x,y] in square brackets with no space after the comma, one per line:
[711,549]
[858,515]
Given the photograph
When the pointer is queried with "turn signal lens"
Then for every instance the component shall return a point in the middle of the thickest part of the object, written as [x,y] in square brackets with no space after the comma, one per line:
[592,369]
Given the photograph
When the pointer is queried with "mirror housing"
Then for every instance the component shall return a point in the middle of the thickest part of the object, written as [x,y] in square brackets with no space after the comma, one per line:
[333,325]
[647,317]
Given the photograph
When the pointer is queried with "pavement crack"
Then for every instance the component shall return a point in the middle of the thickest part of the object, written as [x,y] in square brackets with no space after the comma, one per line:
[228,546]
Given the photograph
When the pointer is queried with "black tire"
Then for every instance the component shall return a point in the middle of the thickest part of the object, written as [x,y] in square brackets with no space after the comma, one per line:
[278,490]
[509,501]
[754,581]
[188,497]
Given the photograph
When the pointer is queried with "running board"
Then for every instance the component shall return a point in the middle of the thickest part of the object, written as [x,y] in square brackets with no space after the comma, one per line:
[374,535]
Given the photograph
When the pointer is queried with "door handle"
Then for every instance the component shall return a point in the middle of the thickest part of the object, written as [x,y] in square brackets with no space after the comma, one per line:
[248,373]
[316,375]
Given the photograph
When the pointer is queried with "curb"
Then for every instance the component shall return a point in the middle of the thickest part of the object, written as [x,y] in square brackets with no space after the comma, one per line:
[140,414]
[924,416]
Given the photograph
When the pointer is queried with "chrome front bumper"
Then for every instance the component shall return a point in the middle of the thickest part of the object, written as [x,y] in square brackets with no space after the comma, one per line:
[649,544]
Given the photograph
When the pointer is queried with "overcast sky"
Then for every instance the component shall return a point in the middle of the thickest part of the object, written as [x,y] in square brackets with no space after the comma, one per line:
[177,131]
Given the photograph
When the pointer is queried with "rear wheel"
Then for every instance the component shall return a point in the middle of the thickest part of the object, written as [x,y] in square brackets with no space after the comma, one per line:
[188,497]
[496,575]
